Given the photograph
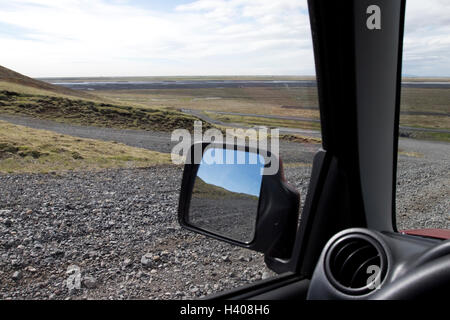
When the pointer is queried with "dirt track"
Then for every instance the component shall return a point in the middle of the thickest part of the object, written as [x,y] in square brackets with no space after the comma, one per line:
[153,140]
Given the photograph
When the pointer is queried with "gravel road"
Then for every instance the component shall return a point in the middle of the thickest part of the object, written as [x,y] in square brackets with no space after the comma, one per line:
[119,228]
[158,141]
[153,140]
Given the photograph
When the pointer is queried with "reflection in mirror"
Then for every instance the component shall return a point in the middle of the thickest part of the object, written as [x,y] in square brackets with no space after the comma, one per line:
[226,193]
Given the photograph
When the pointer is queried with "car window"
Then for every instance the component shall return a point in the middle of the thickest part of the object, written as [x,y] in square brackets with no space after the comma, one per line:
[90,95]
[424,151]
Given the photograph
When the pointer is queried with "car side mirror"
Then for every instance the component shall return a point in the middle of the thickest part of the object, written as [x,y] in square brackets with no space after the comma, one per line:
[230,193]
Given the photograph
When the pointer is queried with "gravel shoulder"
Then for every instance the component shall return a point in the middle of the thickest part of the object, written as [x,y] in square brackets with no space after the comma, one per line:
[119,227]
[423,185]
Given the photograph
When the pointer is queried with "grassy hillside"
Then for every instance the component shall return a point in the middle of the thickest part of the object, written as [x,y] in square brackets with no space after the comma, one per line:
[23,149]
[93,113]
[210,191]
[22,95]
[12,77]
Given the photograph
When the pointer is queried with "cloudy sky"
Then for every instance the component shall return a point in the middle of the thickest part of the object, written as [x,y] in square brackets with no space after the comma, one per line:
[51,38]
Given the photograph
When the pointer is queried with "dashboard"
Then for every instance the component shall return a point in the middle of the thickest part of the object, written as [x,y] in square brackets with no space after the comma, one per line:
[362,264]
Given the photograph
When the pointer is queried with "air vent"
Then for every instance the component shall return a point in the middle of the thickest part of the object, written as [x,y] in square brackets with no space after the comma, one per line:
[353,261]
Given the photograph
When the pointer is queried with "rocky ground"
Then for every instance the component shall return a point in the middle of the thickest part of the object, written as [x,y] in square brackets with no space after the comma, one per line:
[423,185]
[120,229]
[116,231]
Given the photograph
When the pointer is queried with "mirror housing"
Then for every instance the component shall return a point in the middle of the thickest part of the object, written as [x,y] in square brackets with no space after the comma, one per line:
[277,215]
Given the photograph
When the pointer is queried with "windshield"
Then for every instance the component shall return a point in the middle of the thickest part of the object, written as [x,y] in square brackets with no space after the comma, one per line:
[95,98]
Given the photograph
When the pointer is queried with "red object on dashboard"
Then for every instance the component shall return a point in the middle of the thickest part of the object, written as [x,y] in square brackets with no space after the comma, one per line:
[432,233]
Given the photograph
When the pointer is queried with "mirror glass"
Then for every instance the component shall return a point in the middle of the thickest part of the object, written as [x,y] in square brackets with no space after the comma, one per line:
[226,193]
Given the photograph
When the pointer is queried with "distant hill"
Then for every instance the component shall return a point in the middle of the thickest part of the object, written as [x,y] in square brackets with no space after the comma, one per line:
[203,189]
[7,75]
[22,95]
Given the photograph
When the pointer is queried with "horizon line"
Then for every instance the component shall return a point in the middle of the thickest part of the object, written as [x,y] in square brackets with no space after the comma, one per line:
[204,76]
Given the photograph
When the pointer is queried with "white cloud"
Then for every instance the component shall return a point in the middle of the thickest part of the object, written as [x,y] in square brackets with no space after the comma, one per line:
[76,38]
[99,37]
[427,38]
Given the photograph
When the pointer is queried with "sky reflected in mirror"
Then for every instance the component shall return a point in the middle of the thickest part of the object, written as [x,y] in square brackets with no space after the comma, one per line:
[241,178]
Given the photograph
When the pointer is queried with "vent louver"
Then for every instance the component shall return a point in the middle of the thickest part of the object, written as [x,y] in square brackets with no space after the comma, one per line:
[353,262]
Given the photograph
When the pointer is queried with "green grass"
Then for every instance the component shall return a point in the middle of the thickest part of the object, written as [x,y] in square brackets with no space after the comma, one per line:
[11,78]
[422,121]
[432,102]
[86,112]
[433,136]
[265,100]
[158,109]
[412,154]
[300,138]
[23,149]
[426,100]
[268,122]
[20,88]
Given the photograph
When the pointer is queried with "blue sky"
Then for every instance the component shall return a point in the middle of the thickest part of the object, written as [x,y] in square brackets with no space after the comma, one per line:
[54,38]
[242,178]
